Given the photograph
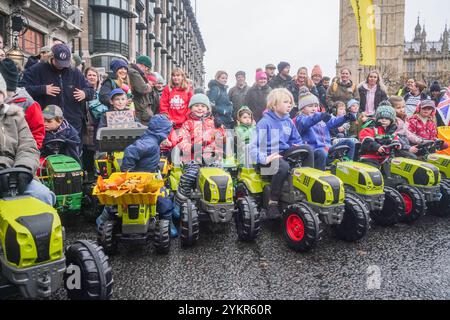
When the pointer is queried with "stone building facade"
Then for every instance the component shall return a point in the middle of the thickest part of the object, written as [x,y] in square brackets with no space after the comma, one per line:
[397,59]
[165,30]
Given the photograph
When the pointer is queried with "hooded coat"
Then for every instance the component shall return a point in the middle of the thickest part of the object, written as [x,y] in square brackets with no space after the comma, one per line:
[144,154]
[67,133]
[256,100]
[175,103]
[222,108]
[341,92]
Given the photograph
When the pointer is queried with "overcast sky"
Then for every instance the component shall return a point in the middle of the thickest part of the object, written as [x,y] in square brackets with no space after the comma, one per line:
[247,34]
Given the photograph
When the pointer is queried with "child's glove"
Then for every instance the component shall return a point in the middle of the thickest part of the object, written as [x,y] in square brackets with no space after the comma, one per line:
[23,180]
[326,117]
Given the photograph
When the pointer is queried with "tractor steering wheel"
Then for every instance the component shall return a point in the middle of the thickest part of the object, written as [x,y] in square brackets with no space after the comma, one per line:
[9,183]
[54,146]
[296,155]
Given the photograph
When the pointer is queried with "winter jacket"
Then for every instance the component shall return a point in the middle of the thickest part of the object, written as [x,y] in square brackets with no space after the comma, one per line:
[143,99]
[67,133]
[278,82]
[315,132]
[201,132]
[237,97]
[42,74]
[256,100]
[273,135]
[322,95]
[222,108]
[406,137]
[144,154]
[427,131]
[244,135]
[175,103]
[372,138]
[33,114]
[32,60]
[341,92]
[105,90]
[17,145]
[380,95]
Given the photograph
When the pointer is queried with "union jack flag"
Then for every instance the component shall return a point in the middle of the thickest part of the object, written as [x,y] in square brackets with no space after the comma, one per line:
[444,107]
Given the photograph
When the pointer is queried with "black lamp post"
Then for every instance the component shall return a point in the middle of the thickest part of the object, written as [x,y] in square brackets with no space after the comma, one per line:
[17,28]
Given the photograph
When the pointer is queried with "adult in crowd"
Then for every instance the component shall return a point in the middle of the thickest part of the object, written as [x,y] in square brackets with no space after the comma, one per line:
[256,98]
[222,108]
[270,71]
[326,82]
[316,77]
[143,93]
[416,95]
[282,79]
[407,88]
[299,81]
[238,92]
[20,97]
[44,55]
[175,98]
[2,54]
[342,89]
[55,82]
[160,83]
[372,92]
[118,79]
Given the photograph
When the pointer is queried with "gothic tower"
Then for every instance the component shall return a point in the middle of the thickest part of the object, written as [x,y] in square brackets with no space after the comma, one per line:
[390,40]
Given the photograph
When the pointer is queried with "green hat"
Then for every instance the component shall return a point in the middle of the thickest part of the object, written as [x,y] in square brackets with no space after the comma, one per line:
[145,60]
[200,98]
[385,112]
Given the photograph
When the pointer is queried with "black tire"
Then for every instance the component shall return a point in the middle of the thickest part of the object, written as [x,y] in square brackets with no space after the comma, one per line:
[393,209]
[415,203]
[106,239]
[247,219]
[356,220]
[442,208]
[301,227]
[96,273]
[161,238]
[189,224]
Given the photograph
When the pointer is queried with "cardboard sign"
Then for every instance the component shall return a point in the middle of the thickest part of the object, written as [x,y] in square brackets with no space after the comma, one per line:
[120,119]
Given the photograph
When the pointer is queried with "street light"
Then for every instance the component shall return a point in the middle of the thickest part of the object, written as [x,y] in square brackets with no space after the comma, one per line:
[18,28]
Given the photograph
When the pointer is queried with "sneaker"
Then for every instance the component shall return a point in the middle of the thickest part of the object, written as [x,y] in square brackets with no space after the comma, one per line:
[273,212]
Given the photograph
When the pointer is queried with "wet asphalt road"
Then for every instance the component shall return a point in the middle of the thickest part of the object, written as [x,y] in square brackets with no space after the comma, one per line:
[413,263]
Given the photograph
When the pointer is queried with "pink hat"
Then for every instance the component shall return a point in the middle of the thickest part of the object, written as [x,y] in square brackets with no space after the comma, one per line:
[316,71]
[261,75]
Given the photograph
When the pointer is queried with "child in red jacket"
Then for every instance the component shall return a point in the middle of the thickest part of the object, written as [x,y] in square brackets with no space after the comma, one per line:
[423,122]
[175,98]
[375,138]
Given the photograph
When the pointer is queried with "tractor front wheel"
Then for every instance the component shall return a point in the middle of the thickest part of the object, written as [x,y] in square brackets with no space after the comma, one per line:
[356,220]
[247,219]
[189,224]
[393,209]
[415,203]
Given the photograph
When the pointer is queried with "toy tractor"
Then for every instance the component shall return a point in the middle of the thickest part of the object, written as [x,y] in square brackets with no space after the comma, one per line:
[64,176]
[417,182]
[427,152]
[33,261]
[366,184]
[209,196]
[136,221]
[309,197]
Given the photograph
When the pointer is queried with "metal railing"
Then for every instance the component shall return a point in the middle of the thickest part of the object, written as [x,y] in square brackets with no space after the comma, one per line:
[59,6]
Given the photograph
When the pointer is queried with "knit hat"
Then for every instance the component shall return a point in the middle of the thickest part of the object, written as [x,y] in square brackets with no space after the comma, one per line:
[351,103]
[10,74]
[200,98]
[246,109]
[270,66]
[240,73]
[306,99]
[261,75]
[316,71]
[145,60]
[2,86]
[385,112]
[51,112]
[435,87]
[283,65]
[117,64]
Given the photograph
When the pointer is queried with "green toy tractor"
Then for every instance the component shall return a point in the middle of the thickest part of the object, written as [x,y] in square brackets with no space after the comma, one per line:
[309,197]
[366,184]
[207,194]
[64,176]
[417,182]
[427,152]
[33,261]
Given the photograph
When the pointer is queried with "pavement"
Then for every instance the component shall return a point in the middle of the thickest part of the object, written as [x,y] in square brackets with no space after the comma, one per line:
[401,262]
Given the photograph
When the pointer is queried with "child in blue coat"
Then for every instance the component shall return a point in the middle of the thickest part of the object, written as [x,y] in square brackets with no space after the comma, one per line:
[314,128]
[275,135]
[143,156]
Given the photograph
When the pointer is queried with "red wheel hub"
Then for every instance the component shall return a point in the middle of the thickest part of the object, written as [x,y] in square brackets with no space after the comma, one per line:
[408,203]
[295,227]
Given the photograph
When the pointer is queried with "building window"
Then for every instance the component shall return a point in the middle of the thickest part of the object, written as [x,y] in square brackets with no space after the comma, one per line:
[121,4]
[410,67]
[31,41]
[110,33]
[103,62]
[433,66]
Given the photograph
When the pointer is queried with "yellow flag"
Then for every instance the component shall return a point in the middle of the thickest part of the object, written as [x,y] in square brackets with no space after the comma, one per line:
[365,21]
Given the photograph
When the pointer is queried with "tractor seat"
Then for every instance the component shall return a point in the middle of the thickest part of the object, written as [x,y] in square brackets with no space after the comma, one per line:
[339,152]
